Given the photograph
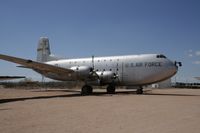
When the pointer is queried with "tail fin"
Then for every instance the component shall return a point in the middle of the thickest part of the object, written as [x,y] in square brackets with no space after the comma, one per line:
[43,51]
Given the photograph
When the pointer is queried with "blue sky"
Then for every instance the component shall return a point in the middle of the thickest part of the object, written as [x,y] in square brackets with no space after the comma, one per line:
[81,28]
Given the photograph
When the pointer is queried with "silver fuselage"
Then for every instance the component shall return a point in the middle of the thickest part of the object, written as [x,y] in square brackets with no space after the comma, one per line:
[131,69]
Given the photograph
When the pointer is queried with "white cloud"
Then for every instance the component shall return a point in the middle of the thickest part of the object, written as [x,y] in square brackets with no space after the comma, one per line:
[197,62]
[190,55]
[197,53]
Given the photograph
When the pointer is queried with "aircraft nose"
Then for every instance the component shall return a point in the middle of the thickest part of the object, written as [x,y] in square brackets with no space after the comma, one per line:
[172,67]
[175,65]
[175,68]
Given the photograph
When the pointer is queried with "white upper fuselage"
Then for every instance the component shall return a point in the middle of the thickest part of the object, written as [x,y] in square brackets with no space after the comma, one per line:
[131,69]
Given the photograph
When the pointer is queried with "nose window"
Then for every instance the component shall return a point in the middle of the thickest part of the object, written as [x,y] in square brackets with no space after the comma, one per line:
[161,56]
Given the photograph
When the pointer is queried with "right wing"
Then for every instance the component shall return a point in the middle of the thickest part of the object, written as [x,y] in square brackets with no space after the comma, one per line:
[38,66]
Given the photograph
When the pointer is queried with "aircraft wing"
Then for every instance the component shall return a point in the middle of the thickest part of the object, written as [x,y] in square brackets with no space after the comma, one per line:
[198,78]
[10,77]
[43,67]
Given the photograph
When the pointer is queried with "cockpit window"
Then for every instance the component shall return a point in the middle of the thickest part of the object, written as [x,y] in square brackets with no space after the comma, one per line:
[161,56]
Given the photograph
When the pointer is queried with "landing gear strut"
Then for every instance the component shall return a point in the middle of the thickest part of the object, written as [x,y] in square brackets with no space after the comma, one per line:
[111,89]
[86,90]
[139,91]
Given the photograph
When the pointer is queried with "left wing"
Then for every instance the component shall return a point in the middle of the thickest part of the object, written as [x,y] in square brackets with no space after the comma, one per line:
[42,67]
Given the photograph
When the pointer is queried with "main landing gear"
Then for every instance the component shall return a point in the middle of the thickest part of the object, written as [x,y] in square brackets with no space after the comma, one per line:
[86,90]
[139,91]
[111,89]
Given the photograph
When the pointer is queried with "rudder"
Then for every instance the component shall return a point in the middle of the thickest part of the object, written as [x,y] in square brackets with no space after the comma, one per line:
[43,50]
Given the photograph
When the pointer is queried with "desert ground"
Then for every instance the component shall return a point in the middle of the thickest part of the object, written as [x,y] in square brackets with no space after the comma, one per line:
[66,111]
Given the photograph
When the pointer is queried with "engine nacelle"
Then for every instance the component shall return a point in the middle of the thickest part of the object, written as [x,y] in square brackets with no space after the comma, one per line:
[106,77]
[82,72]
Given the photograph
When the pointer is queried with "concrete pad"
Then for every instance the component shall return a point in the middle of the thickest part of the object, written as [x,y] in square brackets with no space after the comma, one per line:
[50,111]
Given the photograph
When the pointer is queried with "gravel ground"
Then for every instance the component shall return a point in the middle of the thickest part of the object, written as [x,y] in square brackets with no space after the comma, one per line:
[65,111]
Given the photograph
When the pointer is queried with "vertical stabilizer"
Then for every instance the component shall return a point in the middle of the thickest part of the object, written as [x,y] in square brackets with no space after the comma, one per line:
[43,50]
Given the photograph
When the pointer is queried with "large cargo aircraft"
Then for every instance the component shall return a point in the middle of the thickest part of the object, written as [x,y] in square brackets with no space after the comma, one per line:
[112,71]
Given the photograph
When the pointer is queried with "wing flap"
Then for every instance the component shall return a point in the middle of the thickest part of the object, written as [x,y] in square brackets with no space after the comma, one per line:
[43,67]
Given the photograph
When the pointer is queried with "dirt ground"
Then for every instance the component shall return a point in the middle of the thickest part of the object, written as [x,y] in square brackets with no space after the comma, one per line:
[65,111]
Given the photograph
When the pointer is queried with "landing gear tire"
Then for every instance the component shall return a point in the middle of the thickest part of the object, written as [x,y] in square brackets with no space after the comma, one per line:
[111,89]
[139,91]
[86,90]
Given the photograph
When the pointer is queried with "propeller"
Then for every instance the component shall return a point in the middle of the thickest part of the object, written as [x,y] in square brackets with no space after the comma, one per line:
[93,62]
[92,70]
[116,75]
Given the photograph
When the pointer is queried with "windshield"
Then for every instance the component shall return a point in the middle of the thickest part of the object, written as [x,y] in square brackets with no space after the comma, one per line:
[161,56]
